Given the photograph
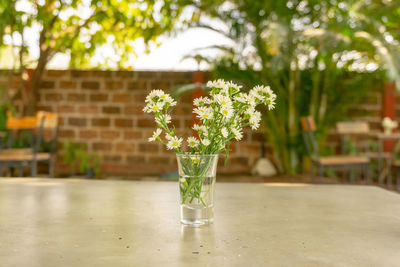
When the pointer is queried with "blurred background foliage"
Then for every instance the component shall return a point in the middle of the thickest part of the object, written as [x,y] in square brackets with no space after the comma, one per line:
[320,57]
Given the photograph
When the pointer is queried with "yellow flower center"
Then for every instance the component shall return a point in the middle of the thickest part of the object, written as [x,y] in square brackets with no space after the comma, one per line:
[225,112]
[175,143]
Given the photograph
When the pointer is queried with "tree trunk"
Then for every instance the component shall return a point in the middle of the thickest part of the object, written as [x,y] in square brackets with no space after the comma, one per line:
[34,86]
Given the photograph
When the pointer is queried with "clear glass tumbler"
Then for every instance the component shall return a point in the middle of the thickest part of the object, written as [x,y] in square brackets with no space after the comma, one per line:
[196,185]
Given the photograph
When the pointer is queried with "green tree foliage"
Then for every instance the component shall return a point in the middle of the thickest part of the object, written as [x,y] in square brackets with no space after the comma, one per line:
[78,28]
[318,56]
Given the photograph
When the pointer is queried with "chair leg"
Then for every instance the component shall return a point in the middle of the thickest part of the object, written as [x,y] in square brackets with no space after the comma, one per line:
[398,178]
[389,173]
[20,170]
[366,173]
[312,169]
[34,169]
[320,172]
[51,168]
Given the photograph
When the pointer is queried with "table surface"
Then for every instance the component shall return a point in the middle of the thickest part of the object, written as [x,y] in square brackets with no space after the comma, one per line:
[63,222]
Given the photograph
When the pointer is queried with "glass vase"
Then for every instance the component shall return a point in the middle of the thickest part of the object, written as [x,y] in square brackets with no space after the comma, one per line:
[196,186]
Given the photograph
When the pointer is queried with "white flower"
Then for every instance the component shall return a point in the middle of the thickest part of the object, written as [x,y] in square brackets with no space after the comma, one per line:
[254,120]
[224,132]
[168,100]
[166,118]
[147,108]
[156,107]
[192,142]
[168,137]
[153,95]
[201,101]
[231,84]
[203,113]
[241,97]
[200,129]
[219,84]
[237,133]
[223,101]
[264,94]
[174,143]
[205,141]
[227,112]
[155,135]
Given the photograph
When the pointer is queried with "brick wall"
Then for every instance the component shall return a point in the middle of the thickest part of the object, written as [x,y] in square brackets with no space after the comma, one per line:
[103,109]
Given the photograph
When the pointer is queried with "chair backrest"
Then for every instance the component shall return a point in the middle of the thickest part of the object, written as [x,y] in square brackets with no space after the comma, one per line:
[356,127]
[308,126]
[22,123]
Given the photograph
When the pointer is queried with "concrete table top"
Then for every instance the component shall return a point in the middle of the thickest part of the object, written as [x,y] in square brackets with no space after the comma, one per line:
[64,222]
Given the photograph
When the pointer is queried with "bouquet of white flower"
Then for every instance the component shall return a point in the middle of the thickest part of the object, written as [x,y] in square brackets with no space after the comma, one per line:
[222,115]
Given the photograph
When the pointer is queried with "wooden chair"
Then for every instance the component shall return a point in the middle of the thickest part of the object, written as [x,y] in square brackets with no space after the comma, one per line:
[339,162]
[348,129]
[45,126]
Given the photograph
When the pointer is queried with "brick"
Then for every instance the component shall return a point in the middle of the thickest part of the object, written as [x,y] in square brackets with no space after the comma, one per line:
[98,97]
[121,98]
[101,146]
[56,73]
[113,158]
[44,108]
[68,85]
[100,73]
[76,97]
[66,133]
[159,160]
[92,109]
[244,161]
[250,149]
[111,110]
[125,147]
[114,85]
[65,108]
[139,98]
[79,122]
[124,74]
[102,122]
[53,97]
[79,73]
[90,85]
[135,159]
[146,147]
[88,134]
[146,123]
[163,85]
[147,75]
[47,84]
[133,110]
[123,122]
[110,134]
[137,85]
[128,135]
